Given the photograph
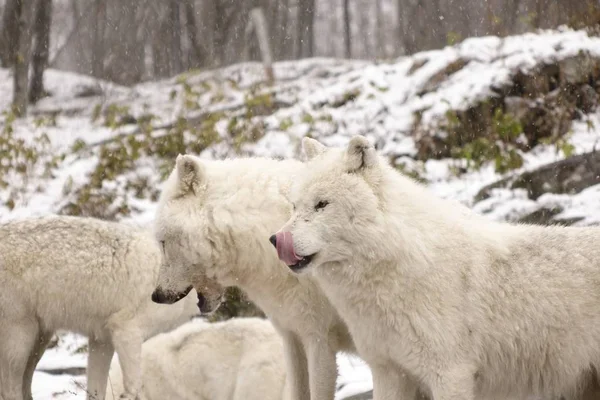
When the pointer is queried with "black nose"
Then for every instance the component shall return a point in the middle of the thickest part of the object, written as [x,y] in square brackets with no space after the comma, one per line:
[273,240]
[157,297]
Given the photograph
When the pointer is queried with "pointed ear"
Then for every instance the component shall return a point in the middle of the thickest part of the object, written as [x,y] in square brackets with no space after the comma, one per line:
[190,174]
[360,154]
[312,148]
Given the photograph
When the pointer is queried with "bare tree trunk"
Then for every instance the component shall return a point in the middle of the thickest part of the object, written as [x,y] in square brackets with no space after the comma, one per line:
[25,11]
[540,8]
[380,51]
[299,26]
[198,51]
[347,32]
[262,34]
[273,10]
[217,20]
[305,28]
[41,30]
[363,19]
[160,43]
[419,24]
[175,31]
[310,28]
[98,24]
[283,45]
[124,64]
[9,34]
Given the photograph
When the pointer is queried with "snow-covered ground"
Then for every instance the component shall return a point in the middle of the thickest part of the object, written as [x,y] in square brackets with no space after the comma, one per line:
[331,100]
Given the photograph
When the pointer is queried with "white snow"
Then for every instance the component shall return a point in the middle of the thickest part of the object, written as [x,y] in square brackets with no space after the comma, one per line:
[328,99]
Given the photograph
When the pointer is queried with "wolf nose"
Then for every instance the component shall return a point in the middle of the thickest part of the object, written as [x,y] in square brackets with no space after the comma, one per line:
[157,297]
[273,240]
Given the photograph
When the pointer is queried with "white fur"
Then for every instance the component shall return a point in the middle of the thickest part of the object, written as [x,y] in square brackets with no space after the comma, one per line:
[215,218]
[239,359]
[430,293]
[84,275]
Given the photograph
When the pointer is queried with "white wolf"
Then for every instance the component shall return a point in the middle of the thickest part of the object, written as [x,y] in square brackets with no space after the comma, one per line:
[84,275]
[214,218]
[238,359]
[469,307]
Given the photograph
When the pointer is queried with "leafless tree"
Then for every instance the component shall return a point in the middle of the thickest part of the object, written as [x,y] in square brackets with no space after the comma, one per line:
[197,49]
[379,30]
[9,32]
[305,28]
[41,33]
[98,26]
[22,56]
[127,41]
[347,30]
[175,36]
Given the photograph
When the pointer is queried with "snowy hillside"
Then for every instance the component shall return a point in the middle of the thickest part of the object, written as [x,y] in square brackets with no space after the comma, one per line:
[487,111]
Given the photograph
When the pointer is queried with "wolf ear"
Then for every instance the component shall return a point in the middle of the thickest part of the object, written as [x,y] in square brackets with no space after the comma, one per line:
[190,174]
[360,154]
[312,147]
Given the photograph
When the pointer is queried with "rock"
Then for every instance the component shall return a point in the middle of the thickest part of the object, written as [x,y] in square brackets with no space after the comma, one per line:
[440,76]
[465,126]
[543,101]
[88,91]
[550,116]
[578,69]
[535,83]
[543,216]
[568,176]
[417,64]
[486,191]
[587,99]
[517,106]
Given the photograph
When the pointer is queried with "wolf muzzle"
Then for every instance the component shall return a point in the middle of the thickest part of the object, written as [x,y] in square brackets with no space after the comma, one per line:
[161,297]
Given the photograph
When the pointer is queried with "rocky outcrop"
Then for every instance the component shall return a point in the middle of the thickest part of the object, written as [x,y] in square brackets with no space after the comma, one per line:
[543,102]
[568,176]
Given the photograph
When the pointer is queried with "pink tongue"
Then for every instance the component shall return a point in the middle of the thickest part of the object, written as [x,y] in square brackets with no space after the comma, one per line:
[285,248]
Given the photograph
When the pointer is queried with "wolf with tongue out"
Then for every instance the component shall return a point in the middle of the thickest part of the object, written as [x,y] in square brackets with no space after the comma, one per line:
[284,244]
[213,220]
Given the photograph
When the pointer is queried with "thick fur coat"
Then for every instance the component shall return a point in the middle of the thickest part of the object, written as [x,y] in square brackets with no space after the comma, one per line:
[87,276]
[468,307]
[238,359]
[214,218]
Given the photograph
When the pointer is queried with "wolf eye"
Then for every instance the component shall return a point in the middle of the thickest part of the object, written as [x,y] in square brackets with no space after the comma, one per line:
[320,205]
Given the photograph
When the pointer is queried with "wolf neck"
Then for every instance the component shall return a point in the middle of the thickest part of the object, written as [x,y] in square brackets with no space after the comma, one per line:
[415,232]
[245,216]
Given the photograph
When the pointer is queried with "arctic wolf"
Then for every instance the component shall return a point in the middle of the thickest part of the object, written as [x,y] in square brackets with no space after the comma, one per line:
[214,219]
[87,276]
[469,307]
[239,359]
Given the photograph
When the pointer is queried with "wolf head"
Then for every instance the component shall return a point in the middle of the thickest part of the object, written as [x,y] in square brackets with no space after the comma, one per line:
[336,203]
[186,249]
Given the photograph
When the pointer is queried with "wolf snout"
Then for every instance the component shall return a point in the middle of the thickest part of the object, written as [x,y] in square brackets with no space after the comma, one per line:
[158,296]
[284,243]
[168,297]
